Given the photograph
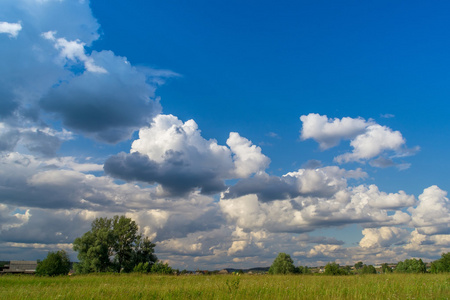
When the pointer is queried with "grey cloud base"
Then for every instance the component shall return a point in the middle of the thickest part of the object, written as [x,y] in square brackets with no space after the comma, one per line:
[177,177]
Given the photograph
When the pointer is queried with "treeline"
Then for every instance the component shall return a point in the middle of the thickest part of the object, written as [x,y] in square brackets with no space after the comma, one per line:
[284,264]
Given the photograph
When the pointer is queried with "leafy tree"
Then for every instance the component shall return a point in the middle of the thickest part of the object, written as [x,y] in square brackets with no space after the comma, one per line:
[283,264]
[411,266]
[334,269]
[441,265]
[385,268]
[113,245]
[56,263]
[368,269]
[359,265]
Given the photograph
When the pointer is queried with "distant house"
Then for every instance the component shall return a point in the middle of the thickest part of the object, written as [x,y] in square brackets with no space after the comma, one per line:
[223,272]
[21,266]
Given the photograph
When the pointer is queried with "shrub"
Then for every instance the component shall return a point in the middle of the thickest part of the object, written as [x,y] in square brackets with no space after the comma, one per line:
[161,268]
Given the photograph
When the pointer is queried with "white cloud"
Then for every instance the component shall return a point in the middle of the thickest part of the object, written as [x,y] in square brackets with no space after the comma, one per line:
[175,155]
[382,237]
[372,143]
[11,29]
[368,139]
[73,50]
[375,198]
[432,214]
[329,132]
[316,198]
[248,158]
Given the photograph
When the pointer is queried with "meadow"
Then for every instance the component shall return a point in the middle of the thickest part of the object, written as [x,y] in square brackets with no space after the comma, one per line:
[141,286]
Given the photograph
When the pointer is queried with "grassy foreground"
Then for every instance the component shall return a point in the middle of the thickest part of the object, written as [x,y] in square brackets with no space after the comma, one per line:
[138,286]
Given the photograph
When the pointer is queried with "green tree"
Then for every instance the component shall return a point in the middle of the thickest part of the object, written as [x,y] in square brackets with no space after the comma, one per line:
[334,269]
[359,265]
[113,245]
[441,265]
[368,269]
[56,263]
[411,266]
[283,264]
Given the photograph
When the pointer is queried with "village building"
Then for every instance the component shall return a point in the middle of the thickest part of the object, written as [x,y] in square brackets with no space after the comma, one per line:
[20,266]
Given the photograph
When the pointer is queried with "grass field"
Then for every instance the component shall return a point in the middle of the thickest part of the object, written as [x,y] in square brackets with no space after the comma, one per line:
[138,286]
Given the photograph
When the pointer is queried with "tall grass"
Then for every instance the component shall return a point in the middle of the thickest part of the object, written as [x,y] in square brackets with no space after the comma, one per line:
[139,286]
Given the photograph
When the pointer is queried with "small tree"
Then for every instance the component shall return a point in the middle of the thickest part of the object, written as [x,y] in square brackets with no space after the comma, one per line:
[56,263]
[283,264]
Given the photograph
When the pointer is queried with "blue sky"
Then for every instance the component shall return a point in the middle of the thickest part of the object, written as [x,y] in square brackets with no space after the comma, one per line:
[229,131]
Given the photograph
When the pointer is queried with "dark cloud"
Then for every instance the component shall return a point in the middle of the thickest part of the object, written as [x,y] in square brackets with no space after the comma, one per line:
[42,143]
[47,227]
[8,139]
[107,106]
[176,176]
[267,188]
[312,164]
[178,227]
[382,162]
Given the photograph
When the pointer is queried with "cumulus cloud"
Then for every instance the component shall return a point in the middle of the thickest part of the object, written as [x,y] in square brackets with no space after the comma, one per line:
[308,199]
[368,139]
[432,214]
[382,237]
[378,199]
[320,182]
[327,132]
[11,29]
[175,155]
[372,143]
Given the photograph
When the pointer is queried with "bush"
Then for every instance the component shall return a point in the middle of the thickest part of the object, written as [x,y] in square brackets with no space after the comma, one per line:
[56,263]
[161,268]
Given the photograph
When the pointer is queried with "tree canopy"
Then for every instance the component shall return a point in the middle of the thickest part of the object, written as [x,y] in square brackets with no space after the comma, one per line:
[441,265]
[113,245]
[411,266]
[283,264]
[56,263]
[334,269]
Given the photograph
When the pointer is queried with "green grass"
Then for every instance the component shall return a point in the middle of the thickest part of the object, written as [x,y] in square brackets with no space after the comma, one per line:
[138,286]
